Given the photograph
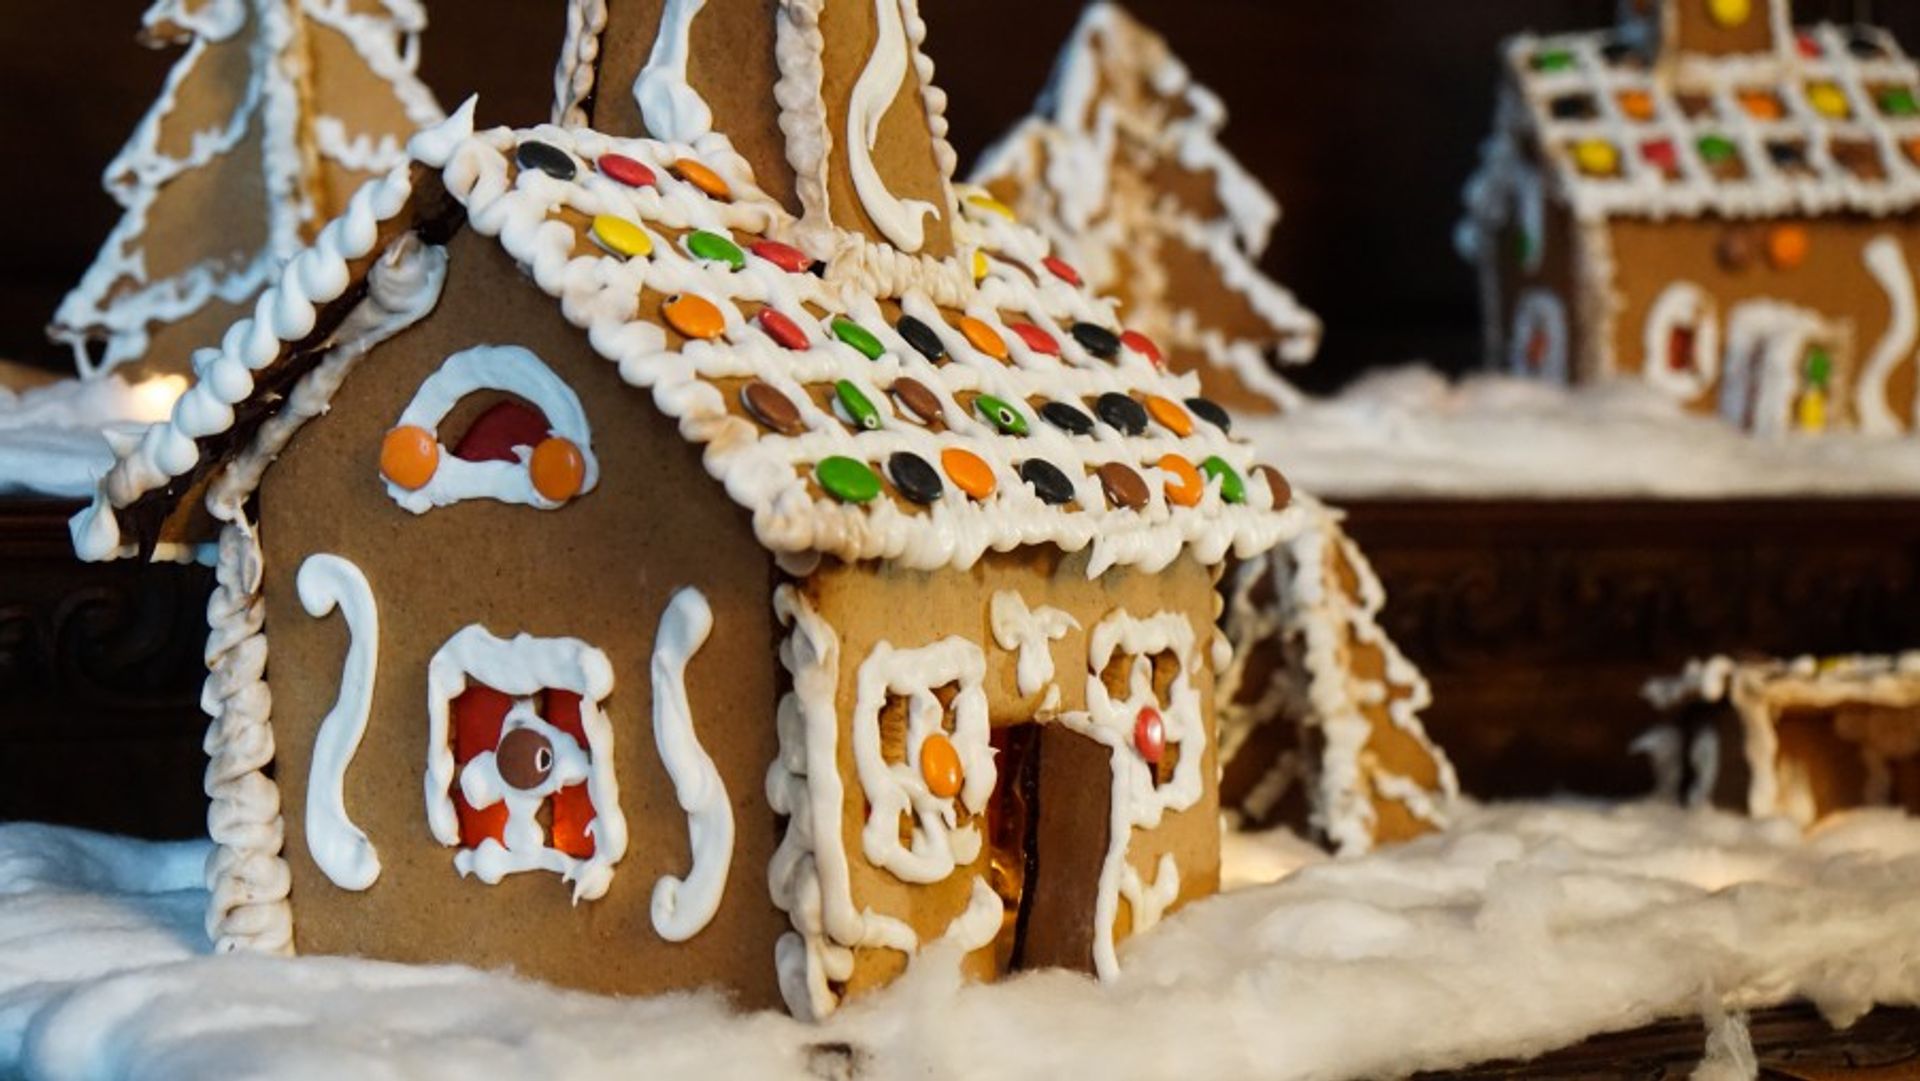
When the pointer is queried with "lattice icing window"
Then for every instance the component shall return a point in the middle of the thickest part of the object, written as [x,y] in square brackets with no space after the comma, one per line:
[533,448]
[520,773]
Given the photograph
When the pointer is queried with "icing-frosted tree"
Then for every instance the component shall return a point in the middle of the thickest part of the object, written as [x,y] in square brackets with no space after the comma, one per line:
[274,114]
[1122,167]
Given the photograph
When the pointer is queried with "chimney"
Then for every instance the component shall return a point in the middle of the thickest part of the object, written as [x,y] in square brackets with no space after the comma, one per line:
[1714,27]
[827,100]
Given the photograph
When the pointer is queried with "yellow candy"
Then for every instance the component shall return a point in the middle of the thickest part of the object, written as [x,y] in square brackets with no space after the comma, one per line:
[979,265]
[1828,100]
[1596,157]
[1813,411]
[991,205]
[620,236]
[1730,13]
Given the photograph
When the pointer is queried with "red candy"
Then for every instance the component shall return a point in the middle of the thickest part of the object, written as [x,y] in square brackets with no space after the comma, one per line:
[1142,345]
[1660,155]
[1150,735]
[785,256]
[1037,340]
[1809,48]
[627,171]
[495,433]
[782,329]
[1061,269]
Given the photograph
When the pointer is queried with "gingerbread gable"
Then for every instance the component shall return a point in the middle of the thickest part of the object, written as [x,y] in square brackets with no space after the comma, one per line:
[924,427]
[271,119]
[1121,166]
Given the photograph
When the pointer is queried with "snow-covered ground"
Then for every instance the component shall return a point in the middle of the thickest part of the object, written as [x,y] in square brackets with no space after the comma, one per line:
[52,439]
[1408,431]
[1526,928]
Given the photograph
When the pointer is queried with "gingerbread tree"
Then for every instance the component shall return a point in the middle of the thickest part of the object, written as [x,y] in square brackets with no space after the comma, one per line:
[1121,165]
[275,113]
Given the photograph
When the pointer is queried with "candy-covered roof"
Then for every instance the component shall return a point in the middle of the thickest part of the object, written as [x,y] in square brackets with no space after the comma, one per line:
[861,410]
[1829,124]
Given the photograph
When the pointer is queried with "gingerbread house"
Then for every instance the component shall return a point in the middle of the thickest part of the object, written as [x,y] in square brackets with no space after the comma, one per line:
[1121,166]
[274,114]
[1797,739]
[755,428]
[1711,201]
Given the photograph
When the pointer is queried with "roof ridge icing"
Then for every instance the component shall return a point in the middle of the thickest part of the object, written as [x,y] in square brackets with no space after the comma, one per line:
[921,423]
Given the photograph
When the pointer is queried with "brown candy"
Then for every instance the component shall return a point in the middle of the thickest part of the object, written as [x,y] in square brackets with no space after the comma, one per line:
[915,398]
[772,408]
[1277,484]
[1737,249]
[1123,486]
[524,759]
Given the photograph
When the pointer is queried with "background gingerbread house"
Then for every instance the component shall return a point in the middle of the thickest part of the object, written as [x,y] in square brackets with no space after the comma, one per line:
[907,551]
[1714,202]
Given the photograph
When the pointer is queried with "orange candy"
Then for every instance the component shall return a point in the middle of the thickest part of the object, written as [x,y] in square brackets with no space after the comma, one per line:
[1761,105]
[408,456]
[940,766]
[1185,487]
[1637,104]
[983,337]
[694,316]
[701,177]
[1787,246]
[558,469]
[969,472]
[1170,415]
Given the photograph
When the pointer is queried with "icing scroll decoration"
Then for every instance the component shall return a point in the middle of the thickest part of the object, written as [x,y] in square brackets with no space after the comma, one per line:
[421,473]
[1887,262]
[682,907]
[1030,632]
[340,848]
[902,221]
[515,727]
[673,110]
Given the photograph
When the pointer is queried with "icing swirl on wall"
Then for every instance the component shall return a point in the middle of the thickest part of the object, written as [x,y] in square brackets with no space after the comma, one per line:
[340,848]
[902,221]
[673,110]
[683,906]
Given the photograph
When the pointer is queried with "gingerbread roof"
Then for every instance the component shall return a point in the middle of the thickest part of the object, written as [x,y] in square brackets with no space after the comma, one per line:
[1830,124]
[1884,679]
[871,410]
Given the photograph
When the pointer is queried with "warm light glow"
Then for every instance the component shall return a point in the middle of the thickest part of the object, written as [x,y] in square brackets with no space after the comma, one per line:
[152,399]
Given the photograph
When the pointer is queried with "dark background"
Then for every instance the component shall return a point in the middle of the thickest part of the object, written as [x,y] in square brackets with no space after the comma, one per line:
[1364,116]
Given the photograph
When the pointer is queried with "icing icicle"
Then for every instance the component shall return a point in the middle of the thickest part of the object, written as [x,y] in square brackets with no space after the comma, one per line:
[339,847]
[683,906]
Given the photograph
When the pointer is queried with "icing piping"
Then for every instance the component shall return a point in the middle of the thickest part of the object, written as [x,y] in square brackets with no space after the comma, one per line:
[684,906]
[672,109]
[901,221]
[1029,632]
[522,667]
[340,848]
[1887,261]
[1681,304]
[515,370]
[938,843]
[1766,344]
[573,73]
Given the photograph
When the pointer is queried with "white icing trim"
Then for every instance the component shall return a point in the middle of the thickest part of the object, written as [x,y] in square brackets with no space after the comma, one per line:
[574,72]
[1681,303]
[515,370]
[1030,632]
[901,221]
[521,667]
[682,907]
[1539,309]
[1887,261]
[938,843]
[339,848]
[1772,337]
[671,108]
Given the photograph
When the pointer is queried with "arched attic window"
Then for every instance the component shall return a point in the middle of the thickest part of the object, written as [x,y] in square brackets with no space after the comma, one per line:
[530,446]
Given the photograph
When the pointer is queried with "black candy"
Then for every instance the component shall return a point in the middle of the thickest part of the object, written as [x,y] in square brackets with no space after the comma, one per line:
[1051,485]
[1098,340]
[1211,412]
[546,157]
[916,479]
[1122,412]
[1066,418]
[921,336]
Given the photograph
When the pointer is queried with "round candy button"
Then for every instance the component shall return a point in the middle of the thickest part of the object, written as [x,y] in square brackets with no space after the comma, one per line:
[919,402]
[1278,489]
[940,766]
[1123,486]
[847,480]
[1061,269]
[1066,418]
[1096,339]
[855,407]
[620,236]
[1596,157]
[1142,345]
[1211,412]
[969,472]
[914,477]
[991,205]
[1121,412]
[781,329]
[1170,415]
[1787,246]
[694,316]
[983,337]
[1037,340]
[546,158]
[714,248]
[771,408]
[1150,735]
[1000,414]
[625,170]
[1047,482]
[1730,13]
[785,256]
[1232,488]
[701,177]
[524,759]
[858,336]
[558,469]
[922,338]
[408,456]
[1184,486]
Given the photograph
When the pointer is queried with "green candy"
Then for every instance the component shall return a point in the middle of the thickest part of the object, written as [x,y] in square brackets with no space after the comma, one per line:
[1001,415]
[1232,488]
[857,405]
[1819,367]
[715,248]
[1557,60]
[847,480]
[1715,149]
[858,336]
[1899,101]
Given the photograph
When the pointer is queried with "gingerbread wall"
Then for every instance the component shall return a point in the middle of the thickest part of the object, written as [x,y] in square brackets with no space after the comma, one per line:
[868,605]
[601,569]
